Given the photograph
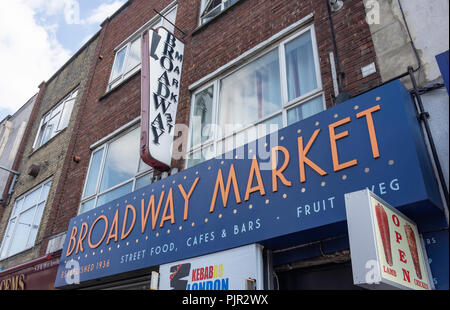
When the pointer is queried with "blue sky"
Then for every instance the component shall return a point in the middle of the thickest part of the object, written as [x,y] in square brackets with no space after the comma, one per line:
[37,37]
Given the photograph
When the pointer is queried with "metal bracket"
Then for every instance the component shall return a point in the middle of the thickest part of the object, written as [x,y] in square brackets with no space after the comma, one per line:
[162,16]
[423,115]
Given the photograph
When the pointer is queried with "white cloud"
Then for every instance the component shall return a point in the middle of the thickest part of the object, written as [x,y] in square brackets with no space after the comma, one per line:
[29,50]
[69,8]
[29,53]
[105,10]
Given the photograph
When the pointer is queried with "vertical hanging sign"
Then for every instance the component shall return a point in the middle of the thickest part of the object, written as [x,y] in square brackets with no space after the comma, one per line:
[162,59]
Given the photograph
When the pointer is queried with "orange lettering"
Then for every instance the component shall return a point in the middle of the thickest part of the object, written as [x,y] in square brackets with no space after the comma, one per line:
[279,173]
[93,246]
[169,203]
[22,282]
[133,210]
[373,137]
[114,226]
[187,196]
[254,170]
[83,232]
[71,246]
[225,191]
[302,159]
[155,213]
[333,138]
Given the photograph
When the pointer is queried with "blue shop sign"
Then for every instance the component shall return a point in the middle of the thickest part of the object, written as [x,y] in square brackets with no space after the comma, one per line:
[436,244]
[289,181]
[442,60]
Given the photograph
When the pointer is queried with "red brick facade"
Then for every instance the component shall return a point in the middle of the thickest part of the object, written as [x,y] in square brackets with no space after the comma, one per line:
[235,31]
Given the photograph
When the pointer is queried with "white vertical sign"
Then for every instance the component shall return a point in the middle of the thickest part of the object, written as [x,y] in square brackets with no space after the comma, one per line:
[165,59]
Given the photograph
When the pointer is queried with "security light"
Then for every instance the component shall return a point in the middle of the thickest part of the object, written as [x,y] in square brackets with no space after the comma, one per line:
[336,5]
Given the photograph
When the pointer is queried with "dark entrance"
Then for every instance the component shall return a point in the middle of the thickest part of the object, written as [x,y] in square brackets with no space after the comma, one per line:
[330,276]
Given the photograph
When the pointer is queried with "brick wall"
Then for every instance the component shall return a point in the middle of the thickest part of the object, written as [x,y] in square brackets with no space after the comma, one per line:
[234,32]
[51,155]
[102,114]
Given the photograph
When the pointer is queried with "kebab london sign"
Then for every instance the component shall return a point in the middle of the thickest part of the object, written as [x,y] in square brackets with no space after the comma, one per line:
[162,60]
[292,181]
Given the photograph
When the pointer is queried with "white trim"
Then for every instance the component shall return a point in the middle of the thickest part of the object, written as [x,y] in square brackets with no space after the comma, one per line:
[309,98]
[114,133]
[291,33]
[191,114]
[35,205]
[89,170]
[243,57]
[113,83]
[38,142]
[316,60]
[37,134]
[103,145]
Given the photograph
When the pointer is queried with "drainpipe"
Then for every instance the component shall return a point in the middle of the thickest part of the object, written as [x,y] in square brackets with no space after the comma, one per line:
[14,180]
[16,174]
[423,117]
[343,95]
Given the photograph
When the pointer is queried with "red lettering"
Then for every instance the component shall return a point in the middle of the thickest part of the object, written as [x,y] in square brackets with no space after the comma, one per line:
[389,271]
[395,220]
[421,284]
[201,274]
[406,275]
[402,256]
[398,236]
[211,269]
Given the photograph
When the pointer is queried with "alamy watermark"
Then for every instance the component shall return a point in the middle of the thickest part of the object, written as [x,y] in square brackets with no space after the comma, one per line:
[72,275]
[259,140]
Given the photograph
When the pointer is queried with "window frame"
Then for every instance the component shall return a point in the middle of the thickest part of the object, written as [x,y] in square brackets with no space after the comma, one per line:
[137,35]
[286,105]
[40,133]
[203,4]
[105,146]
[23,197]
[122,76]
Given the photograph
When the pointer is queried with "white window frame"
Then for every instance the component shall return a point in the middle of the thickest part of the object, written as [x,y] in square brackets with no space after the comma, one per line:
[18,214]
[203,4]
[39,135]
[123,76]
[105,146]
[285,106]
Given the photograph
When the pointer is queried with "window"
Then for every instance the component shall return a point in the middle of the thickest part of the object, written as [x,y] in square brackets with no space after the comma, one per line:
[24,221]
[55,120]
[115,170]
[275,89]
[128,56]
[211,8]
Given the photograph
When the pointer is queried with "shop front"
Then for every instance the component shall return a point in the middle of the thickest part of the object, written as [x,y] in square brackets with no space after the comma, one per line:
[284,192]
[38,274]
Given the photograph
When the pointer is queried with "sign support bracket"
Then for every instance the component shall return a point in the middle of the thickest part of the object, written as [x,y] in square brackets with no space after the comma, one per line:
[183,32]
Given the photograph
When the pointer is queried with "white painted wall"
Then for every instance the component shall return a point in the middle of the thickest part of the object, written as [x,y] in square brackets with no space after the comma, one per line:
[428,22]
